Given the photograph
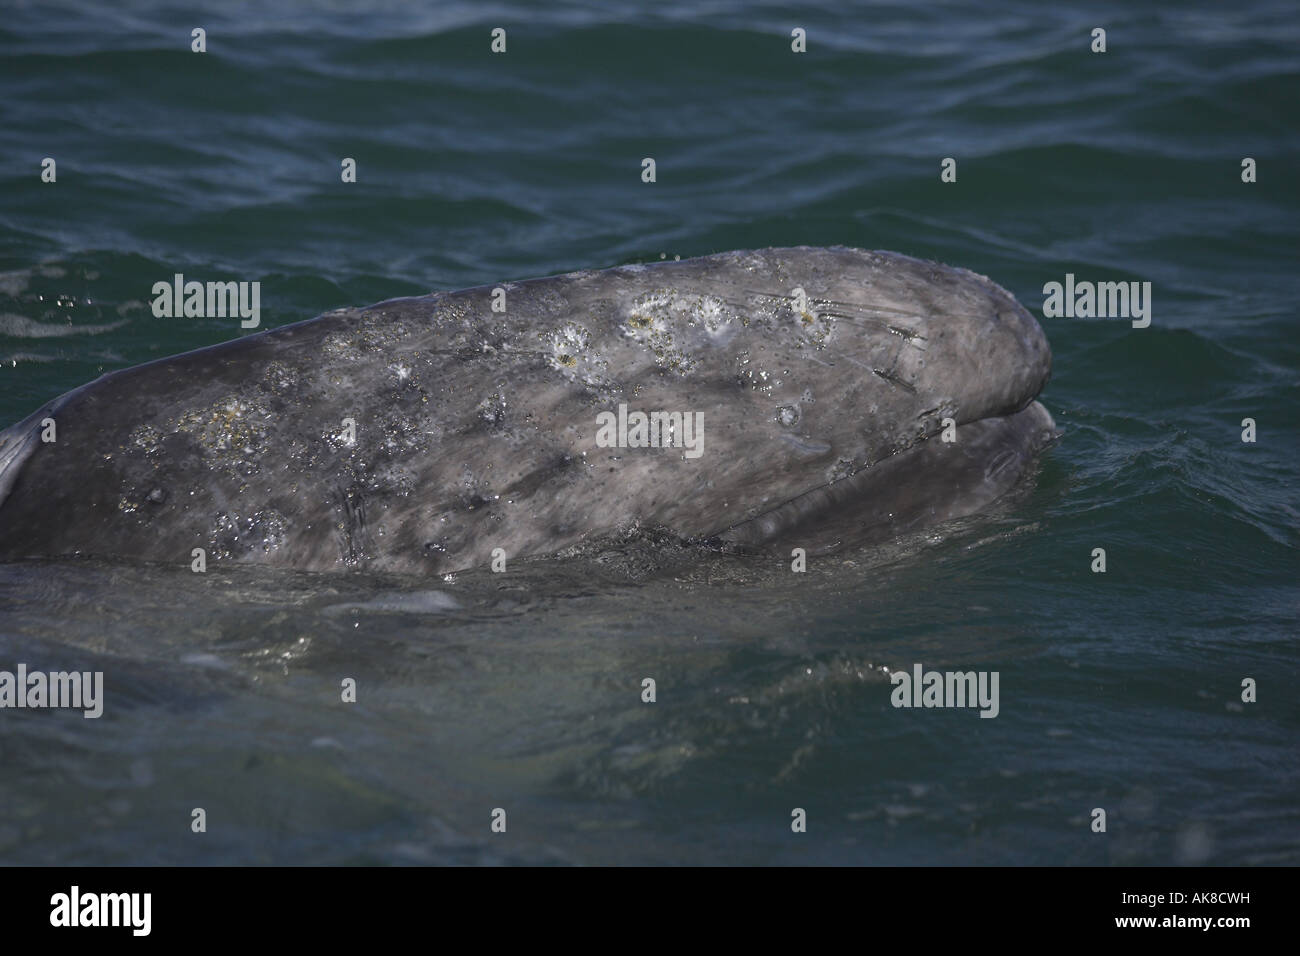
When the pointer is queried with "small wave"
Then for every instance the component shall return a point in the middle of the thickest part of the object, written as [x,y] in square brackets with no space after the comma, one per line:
[21,327]
[418,602]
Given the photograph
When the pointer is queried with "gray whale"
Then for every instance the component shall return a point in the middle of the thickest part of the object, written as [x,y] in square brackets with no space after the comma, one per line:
[821,376]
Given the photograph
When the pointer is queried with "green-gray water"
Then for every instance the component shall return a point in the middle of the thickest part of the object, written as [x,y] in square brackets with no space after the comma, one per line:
[1120,690]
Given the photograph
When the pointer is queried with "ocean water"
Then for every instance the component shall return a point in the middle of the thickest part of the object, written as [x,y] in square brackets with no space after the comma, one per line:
[1120,691]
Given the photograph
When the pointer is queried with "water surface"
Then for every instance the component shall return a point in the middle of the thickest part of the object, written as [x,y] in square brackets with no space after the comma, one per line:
[1118,690]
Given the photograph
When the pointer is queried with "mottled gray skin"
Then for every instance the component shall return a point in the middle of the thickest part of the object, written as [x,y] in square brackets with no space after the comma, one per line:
[477,430]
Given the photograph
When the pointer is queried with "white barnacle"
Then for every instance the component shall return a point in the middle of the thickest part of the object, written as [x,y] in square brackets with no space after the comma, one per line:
[567,346]
[708,309]
[648,314]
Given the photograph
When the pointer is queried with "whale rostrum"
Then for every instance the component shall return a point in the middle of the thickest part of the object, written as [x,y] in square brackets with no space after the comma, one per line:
[755,398]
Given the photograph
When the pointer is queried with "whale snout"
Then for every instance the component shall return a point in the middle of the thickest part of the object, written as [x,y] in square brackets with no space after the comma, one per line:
[1030,365]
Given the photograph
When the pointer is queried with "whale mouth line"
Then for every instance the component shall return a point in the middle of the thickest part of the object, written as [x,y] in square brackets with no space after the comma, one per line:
[1004,446]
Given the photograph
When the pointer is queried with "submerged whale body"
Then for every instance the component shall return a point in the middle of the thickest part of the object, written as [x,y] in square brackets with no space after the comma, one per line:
[780,397]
